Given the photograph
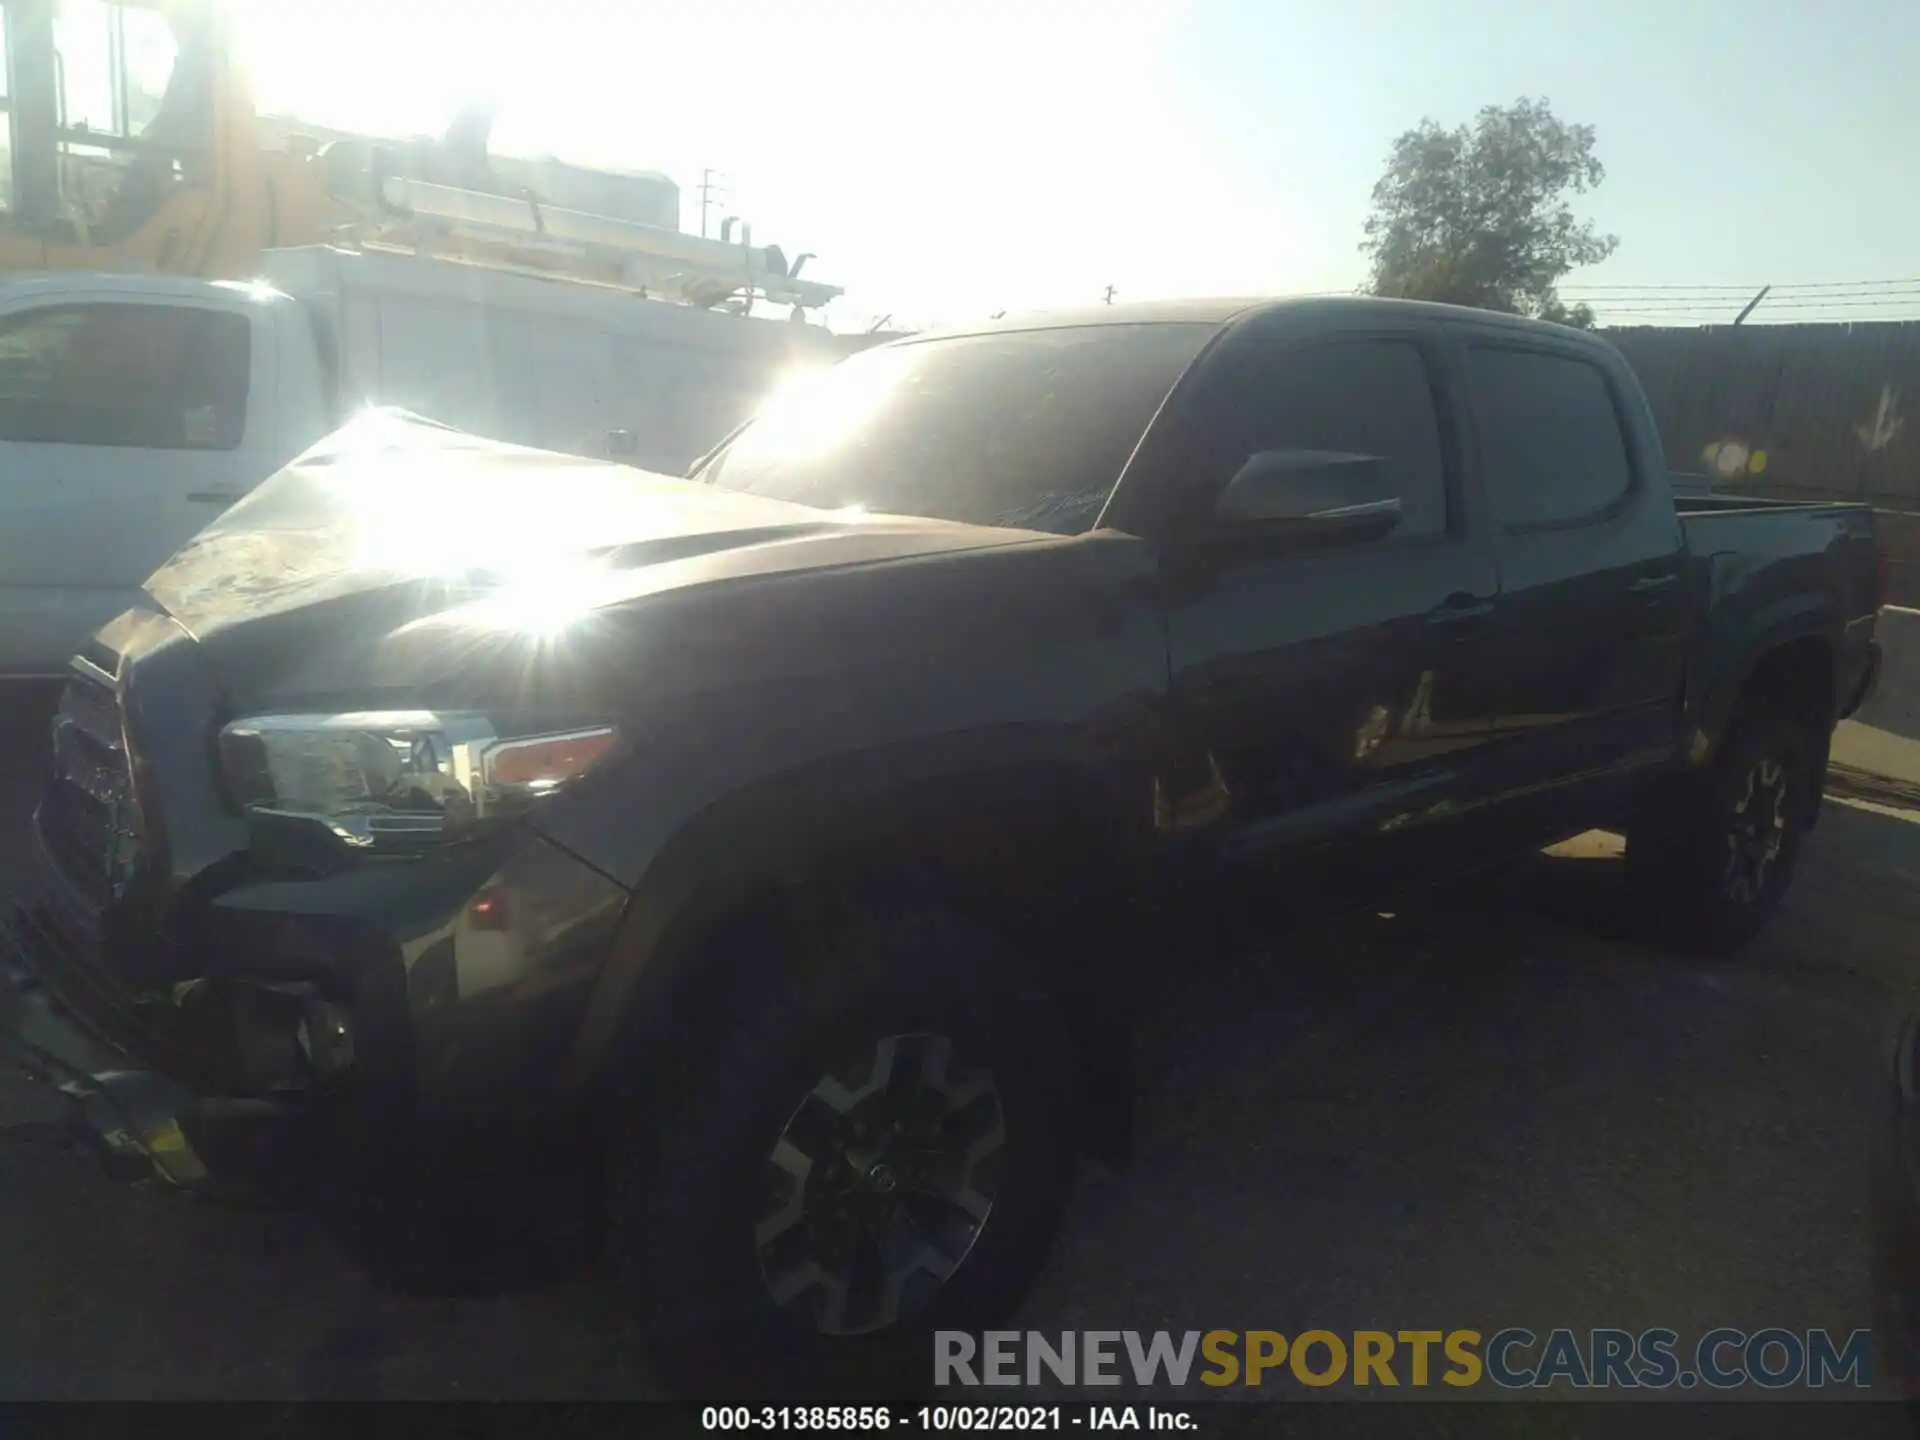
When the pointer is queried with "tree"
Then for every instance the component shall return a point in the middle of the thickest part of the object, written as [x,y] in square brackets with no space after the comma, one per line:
[1479,215]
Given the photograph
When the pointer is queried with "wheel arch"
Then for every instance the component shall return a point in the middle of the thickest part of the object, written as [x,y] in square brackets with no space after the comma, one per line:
[1797,670]
[1022,828]
[1790,656]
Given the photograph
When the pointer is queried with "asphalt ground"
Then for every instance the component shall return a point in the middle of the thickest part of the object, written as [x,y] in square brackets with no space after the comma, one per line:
[1505,1111]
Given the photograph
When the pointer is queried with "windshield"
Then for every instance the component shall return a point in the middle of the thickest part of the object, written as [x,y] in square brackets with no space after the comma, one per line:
[1028,429]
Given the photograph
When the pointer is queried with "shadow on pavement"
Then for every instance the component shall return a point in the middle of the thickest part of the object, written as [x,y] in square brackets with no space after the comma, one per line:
[1492,1107]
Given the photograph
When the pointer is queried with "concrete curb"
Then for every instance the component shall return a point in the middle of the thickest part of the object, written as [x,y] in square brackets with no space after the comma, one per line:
[1895,703]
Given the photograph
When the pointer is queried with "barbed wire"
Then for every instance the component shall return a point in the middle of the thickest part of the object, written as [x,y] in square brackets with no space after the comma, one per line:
[1615,322]
[1791,287]
[1905,300]
[1809,302]
[1802,302]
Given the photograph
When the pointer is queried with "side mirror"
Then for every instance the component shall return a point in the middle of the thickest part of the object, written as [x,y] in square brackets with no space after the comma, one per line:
[1318,496]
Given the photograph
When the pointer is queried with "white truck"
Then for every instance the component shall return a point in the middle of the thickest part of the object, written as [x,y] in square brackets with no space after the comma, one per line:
[135,408]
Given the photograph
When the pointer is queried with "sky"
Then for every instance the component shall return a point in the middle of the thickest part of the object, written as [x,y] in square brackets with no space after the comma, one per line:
[952,158]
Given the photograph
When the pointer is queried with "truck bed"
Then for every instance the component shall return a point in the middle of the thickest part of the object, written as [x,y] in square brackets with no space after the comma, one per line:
[1695,495]
[1687,503]
[1758,563]
[1820,548]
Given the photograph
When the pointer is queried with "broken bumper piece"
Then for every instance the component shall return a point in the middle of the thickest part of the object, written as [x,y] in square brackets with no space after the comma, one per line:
[134,1115]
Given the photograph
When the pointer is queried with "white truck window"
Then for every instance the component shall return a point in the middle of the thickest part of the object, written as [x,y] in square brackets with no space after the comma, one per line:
[157,377]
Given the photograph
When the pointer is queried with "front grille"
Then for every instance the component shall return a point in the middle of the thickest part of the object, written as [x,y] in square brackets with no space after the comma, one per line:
[76,924]
[89,818]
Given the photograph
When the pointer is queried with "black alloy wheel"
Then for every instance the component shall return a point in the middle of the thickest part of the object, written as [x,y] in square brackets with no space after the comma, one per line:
[1756,830]
[1711,852]
[879,1185]
[841,1153]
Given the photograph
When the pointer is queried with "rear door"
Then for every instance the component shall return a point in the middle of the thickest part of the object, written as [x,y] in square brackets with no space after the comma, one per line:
[1587,644]
[1319,696]
[124,429]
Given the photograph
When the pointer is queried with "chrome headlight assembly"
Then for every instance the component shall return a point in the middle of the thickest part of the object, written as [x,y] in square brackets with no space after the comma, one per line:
[398,779]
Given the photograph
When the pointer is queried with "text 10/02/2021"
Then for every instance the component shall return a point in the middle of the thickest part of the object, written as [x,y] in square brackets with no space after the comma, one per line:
[870,1419]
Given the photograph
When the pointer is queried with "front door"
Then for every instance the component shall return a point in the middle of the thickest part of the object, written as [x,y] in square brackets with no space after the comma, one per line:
[123,431]
[1326,696]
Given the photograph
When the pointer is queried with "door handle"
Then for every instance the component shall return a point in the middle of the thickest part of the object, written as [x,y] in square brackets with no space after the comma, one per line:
[213,497]
[1654,584]
[1460,609]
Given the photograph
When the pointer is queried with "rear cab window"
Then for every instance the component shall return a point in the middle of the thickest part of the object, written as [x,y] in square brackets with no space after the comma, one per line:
[1553,452]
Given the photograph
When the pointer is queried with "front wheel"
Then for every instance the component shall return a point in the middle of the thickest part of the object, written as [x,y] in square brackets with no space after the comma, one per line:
[1711,854]
[854,1157]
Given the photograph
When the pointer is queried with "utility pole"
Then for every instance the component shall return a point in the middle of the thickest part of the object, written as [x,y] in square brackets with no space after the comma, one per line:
[1111,292]
[710,191]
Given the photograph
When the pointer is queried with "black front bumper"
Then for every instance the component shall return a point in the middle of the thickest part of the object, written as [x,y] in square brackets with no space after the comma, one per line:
[177,937]
[53,950]
[453,1018]
[138,1090]
[136,1116]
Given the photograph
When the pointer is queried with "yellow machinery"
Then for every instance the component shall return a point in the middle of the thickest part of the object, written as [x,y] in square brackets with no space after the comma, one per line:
[135,145]
[105,174]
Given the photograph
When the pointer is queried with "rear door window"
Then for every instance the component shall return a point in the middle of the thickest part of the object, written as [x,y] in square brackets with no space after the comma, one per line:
[1551,446]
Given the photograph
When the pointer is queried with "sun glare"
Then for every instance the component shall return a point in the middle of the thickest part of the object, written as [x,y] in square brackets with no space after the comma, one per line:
[937,169]
[815,410]
[545,597]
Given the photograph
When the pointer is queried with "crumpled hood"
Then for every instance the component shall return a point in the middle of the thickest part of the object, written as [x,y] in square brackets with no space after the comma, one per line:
[394,500]
[400,558]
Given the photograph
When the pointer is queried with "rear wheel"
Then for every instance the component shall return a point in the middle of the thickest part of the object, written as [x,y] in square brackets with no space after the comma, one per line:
[1711,854]
[856,1154]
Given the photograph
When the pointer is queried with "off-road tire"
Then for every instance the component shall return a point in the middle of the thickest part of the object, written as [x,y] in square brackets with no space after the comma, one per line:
[1710,854]
[686,1172]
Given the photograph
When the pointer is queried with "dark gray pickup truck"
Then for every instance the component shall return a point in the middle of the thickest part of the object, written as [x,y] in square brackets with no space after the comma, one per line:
[775,832]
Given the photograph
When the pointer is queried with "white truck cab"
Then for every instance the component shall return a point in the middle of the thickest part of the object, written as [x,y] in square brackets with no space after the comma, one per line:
[135,408]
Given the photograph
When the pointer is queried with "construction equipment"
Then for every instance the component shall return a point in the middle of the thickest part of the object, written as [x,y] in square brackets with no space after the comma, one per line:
[522,234]
[107,175]
[455,200]
[164,166]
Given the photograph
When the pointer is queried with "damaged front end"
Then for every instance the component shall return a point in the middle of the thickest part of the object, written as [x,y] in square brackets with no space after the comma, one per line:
[171,962]
[149,1067]
[132,1115]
